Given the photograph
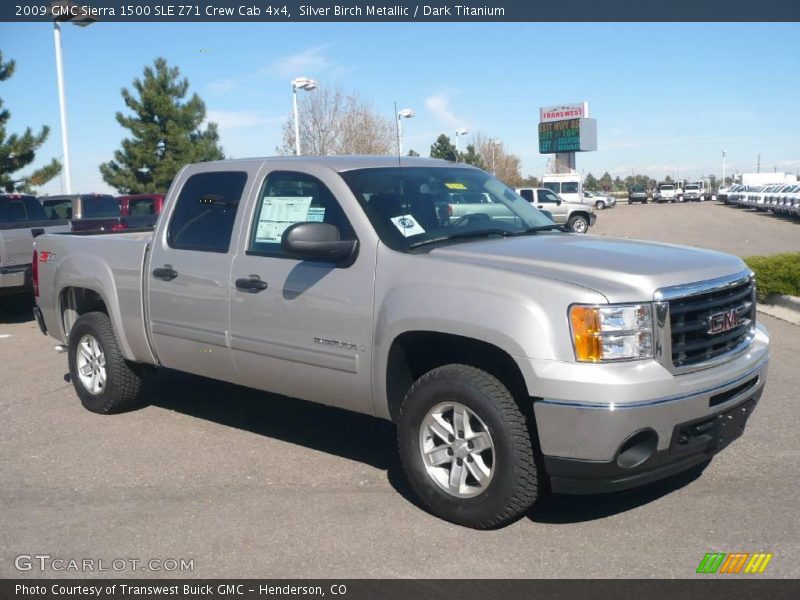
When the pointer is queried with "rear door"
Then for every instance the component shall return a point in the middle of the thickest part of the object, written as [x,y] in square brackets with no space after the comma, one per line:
[302,328]
[187,280]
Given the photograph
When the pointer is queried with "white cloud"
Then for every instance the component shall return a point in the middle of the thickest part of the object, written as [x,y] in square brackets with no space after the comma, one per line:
[439,105]
[221,86]
[236,119]
[789,163]
[309,62]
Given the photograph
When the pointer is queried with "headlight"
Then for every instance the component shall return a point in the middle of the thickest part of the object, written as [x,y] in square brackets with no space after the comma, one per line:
[614,332]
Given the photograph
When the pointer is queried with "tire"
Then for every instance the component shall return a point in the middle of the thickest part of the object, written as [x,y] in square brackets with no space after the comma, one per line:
[599,205]
[118,381]
[513,481]
[578,224]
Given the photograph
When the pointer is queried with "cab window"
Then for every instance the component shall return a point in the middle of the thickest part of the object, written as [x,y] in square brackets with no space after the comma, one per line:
[287,198]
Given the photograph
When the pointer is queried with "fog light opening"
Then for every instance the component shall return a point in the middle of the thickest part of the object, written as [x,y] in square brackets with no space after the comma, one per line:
[637,449]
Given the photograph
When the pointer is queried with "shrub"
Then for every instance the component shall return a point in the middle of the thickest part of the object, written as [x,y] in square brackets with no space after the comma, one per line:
[776,274]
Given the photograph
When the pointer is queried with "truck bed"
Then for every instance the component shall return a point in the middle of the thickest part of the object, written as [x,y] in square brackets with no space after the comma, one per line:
[110,265]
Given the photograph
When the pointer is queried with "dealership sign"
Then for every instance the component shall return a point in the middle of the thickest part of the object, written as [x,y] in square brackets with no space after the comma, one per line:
[571,135]
[561,112]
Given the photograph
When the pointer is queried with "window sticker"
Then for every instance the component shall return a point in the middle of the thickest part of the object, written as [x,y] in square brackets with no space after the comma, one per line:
[407,225]
[456,186]
[279,212]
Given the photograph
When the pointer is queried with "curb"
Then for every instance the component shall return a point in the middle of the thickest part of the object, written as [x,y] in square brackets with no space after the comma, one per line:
[780,306]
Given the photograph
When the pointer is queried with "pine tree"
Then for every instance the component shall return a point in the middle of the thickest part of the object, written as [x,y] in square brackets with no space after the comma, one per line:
[590,183]
[472,157]
[165,133]
[412,152]
[18,151]
[443,148]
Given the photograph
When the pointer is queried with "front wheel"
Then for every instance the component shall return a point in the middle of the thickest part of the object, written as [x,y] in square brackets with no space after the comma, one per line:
[599,205]
[104,381]
[466,448]
[578,224]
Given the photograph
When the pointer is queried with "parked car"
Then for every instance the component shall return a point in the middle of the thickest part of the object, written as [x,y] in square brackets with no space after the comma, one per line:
[141,205]
[513,357]
[568,186]
[665,192]
[21,220]
[578,217]
[598,200]
[94,212]
[694,192]
[637,193]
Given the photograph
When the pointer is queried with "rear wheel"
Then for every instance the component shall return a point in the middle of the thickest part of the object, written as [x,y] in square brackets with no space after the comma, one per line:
[104,381]
[599,205]
[466,449]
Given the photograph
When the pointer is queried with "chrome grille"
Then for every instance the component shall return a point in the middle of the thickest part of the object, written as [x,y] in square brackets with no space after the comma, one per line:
[690,317]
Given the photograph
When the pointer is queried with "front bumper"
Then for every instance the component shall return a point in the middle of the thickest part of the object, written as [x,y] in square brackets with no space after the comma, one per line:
[588,419]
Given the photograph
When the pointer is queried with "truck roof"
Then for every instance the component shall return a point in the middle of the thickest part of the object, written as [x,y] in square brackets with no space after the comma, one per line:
[341,163]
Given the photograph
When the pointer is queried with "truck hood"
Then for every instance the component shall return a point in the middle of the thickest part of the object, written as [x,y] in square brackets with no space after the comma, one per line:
[622,270]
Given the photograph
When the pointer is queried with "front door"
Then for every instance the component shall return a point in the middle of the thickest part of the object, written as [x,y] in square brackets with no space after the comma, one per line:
[550,202]
[302,328]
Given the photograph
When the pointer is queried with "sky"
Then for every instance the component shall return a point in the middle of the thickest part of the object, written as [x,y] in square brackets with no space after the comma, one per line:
[668,97]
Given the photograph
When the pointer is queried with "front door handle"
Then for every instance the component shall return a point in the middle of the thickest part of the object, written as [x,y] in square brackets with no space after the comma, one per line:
[251,284]
[540,206]
[165,273]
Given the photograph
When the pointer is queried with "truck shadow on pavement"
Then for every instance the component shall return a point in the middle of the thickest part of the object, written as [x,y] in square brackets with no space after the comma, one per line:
[357,437]
[16,309]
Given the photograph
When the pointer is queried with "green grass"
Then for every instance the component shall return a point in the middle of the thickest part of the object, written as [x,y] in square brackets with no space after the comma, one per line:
[776,274]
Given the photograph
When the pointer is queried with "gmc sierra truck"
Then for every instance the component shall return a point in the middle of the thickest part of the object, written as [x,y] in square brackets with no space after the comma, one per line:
[514,357]
[22,218]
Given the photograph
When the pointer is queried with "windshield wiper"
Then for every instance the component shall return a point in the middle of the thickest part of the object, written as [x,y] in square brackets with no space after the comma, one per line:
[486,233]
[462,235]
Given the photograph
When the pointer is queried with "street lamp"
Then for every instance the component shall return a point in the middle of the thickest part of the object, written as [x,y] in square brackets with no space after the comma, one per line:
[61,10]
[723,168]
[494,144]
[460,132]
[302,83]
[406,113]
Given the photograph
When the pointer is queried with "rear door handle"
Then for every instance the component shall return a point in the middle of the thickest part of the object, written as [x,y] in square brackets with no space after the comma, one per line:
[165,273]
[251,284]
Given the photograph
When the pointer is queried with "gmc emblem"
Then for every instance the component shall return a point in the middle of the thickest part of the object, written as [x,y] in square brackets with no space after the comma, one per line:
[724,321]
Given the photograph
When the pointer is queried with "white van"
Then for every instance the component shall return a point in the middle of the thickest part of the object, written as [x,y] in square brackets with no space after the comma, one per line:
[567,185]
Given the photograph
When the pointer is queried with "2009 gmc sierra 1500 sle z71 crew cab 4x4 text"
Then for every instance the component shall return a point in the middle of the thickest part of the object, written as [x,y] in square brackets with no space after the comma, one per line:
[512,355]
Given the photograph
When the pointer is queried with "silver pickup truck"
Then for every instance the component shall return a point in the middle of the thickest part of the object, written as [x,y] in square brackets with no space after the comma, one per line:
[513,357]
[22,218]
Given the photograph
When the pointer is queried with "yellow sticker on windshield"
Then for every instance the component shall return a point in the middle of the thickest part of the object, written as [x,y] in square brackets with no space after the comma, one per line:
[456,186]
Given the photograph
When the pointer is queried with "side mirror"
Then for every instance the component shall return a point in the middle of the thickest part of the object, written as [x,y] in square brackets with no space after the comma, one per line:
[558,202]
[319,241]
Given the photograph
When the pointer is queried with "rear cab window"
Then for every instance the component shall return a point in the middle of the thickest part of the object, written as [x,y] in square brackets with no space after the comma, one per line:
[205,211]
[99,206]
[20,208]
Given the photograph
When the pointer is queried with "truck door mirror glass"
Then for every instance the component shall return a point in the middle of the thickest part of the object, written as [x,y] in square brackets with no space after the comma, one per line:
[319,241]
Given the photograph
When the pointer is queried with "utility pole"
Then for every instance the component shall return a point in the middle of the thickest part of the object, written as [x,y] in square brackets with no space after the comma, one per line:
[758,166]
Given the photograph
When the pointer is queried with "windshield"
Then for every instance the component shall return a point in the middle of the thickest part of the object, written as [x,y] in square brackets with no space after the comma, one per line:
[98,207]
[413,205]
[667,187]
[692,187]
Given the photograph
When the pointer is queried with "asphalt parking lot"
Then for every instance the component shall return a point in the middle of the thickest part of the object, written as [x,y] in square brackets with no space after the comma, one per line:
[248,484]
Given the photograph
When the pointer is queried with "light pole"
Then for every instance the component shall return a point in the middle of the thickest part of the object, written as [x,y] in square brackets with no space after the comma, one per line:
[494,144]
[459,132]
[303,83]
[723,168]
[406,113]
[60,11]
